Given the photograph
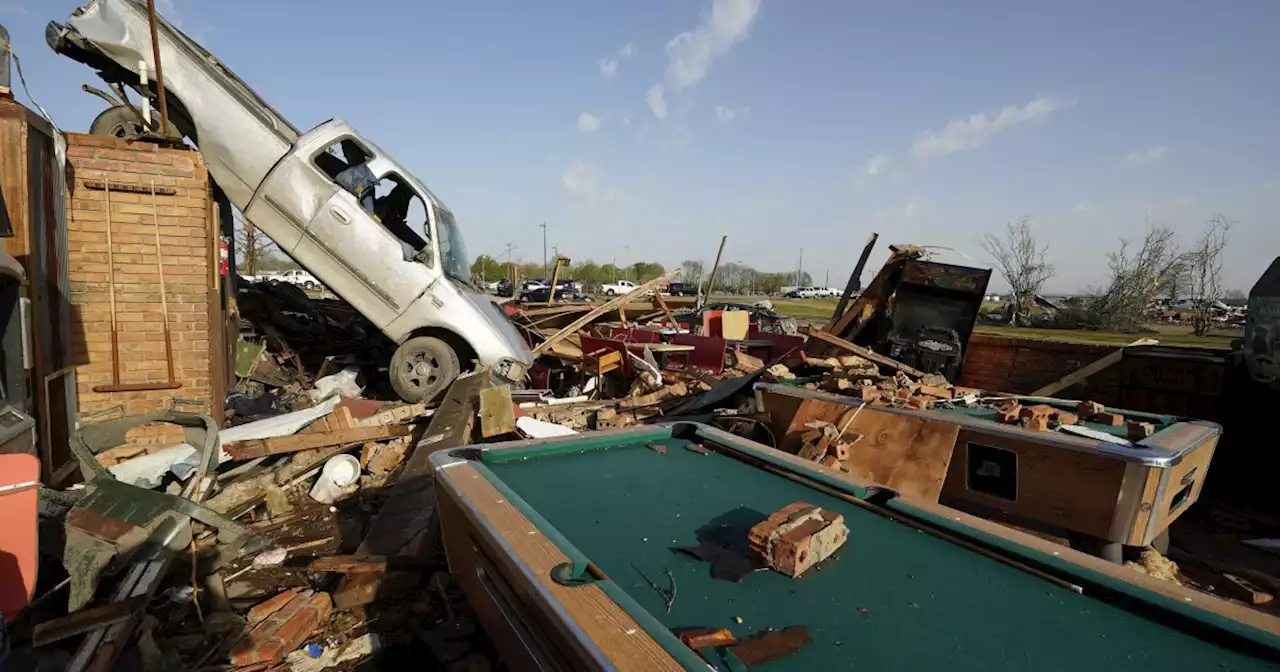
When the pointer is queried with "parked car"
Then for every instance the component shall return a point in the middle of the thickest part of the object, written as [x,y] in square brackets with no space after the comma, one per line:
[682,289]
[336,203]
[542,294]
[619,287]
[802,293]
[300,278]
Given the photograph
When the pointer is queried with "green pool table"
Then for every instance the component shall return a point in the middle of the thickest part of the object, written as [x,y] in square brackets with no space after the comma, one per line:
[565,548]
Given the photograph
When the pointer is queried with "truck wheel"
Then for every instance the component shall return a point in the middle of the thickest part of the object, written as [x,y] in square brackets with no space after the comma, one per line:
[121,122]
[609,292]
[423,368]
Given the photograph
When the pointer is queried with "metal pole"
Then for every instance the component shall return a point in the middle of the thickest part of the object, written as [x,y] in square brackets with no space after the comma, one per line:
[155,55]
[544,248]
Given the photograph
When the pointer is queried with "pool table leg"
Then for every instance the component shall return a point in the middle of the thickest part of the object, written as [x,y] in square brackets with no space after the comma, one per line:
[1110,551]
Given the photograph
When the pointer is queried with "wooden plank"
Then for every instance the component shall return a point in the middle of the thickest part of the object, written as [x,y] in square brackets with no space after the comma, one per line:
[603,308]
[249,449]
[623,642]
[497,413]
[1079,375]
[911,454]
[865,353]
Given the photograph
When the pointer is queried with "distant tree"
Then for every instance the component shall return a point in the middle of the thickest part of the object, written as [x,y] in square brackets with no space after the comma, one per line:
[772,283]
[252,247]
[643,271]
[1235,295]
[587,273]
[1204,270]
[1135,279]
[610,273]
[487,269]
[1021,261]
[274,261]
[1175,279]
[691,271]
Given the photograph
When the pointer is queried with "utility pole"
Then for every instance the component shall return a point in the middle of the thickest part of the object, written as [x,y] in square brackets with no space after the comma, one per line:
[544,248]
[508,251]
[626,259]
[800,268]
[826,279]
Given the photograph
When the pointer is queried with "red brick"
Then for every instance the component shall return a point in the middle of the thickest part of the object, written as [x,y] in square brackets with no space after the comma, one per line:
[1089,409]
[1038,423]
[934,391]
[1139,430]
[919,402]
[1065,418]
[1110,419]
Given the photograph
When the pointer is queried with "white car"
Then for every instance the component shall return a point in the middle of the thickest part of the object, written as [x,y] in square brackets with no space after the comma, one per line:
[806,292]
[619,287]
[299,278]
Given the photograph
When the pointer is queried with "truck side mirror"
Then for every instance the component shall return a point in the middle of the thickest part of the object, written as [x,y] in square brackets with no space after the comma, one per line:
[424,256]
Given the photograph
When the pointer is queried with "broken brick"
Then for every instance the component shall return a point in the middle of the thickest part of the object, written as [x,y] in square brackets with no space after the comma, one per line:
[830,461]
[868,393]
[284,630]
[1088,409]
[958,391]
[797,537]
[1038,423]
[1109,419]
[1008,413]
[920,403]
[934,391]
[1065,418]
[1037,410]
[260,611]
[705,638]
[840,451]
[1139,430]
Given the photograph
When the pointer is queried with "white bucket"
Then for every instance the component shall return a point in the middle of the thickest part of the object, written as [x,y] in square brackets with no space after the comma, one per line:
[338,478]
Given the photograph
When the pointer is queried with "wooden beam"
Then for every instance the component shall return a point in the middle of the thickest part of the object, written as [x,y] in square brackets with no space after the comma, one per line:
[616,302]
[662,303]
[249,449]
[855,278]
[711,279]
[1080,374]
[865,353]
[497,413]
[373,564]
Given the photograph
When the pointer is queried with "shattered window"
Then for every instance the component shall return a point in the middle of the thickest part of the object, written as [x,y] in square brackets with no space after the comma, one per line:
[346,162]
[401,210]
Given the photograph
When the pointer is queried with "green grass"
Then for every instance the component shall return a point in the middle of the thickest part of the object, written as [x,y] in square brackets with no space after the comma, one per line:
[1167,334]
[819,310]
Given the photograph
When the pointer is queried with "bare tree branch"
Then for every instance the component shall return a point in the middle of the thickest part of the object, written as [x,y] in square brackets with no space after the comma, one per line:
[1204,266]
[1021,261]
[1136,276]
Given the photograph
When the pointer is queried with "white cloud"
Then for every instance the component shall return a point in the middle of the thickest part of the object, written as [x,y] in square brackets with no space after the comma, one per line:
[656,98]
[1143,157]
[580,183]
[973,132]
[625,122]
[727,114]
[1086,209]
[588,123]
[915,208]
[14,9]
[691,53]
[609,66]
[871,170]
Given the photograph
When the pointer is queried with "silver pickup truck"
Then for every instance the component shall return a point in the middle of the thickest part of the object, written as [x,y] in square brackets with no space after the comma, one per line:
[333,201]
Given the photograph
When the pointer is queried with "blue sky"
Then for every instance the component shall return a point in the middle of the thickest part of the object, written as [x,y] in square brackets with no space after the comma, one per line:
[648,129]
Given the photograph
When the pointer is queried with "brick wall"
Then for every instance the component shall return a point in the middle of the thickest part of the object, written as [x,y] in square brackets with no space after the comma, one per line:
[1021,366]
[186,247]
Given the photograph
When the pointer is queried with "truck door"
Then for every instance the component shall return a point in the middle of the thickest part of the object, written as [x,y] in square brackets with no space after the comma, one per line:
[371,235]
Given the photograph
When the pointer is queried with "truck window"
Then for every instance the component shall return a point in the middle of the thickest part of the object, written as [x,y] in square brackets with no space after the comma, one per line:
[400,209]
[346,162]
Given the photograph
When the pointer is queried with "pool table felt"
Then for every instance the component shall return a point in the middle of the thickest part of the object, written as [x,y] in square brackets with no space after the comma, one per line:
[893,597]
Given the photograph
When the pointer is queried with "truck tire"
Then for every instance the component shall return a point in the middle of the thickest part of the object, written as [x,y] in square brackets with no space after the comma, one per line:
[422,368]
[120,122]
[609,292]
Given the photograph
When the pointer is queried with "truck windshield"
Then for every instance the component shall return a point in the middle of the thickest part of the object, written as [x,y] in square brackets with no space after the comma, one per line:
[453,252]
